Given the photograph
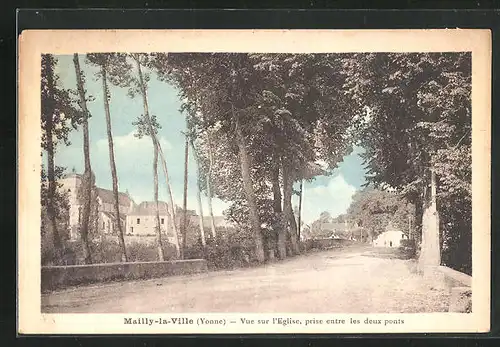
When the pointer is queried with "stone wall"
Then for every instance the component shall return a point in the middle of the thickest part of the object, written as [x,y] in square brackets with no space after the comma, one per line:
[57,277]
[459,284]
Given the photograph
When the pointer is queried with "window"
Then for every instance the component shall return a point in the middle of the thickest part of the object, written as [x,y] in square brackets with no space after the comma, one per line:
[131,230]
[138,221]
[163,221]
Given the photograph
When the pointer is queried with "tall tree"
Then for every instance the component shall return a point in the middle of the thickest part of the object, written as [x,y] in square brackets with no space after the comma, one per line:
[198,196]
[308,118]
[148,128]
[60,205]
[288,215]
[277,208]
[110,65]
[249,190]
[299,217]
[209,184]
[59,115]
[191,80]
[149,123]
[184,205]
[88,176]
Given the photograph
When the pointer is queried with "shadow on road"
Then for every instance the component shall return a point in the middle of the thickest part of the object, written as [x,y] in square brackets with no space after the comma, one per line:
[387,253]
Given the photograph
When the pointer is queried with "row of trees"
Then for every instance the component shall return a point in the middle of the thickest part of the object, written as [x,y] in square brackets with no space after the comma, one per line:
[63,109]
[258,124]
[273,116]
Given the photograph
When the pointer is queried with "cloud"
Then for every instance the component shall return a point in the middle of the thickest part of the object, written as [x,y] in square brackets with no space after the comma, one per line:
[133,155]
[334,197]
[132,144]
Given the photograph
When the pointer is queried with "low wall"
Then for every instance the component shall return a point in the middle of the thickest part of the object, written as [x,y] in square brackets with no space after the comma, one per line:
[454,278]
[459,285]
[56,277]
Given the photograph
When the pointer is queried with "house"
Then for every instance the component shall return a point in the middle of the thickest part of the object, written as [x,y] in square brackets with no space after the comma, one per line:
[390,238]
[142,219]
[106,221]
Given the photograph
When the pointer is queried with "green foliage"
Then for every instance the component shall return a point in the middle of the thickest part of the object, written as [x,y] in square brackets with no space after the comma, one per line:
[59,107]
[373,209]
[409,111]
[418,104]
[115,65]
[60,199]
[143,128]
[289,106]
[107,250]
[415,113]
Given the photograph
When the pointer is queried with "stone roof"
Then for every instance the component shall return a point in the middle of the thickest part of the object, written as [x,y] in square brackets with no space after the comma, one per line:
[73,174]
[148,208]
[106,196]
[112,215]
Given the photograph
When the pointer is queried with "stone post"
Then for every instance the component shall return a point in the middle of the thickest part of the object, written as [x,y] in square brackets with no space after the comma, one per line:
[430,255]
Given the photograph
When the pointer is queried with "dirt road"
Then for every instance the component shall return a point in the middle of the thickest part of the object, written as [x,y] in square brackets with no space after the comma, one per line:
[353,280]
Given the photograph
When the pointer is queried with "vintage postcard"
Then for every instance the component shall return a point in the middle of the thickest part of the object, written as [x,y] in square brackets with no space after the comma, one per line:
[254,181]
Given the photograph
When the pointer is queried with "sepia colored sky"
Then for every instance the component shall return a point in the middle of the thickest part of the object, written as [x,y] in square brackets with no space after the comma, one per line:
[134,156]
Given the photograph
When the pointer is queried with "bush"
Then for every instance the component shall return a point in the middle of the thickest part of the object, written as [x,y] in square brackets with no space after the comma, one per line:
[149,252]
[109,251]
[408,248]
[228,251]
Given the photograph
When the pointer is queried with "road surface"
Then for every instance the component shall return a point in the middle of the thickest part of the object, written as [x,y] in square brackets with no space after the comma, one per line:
[352,280]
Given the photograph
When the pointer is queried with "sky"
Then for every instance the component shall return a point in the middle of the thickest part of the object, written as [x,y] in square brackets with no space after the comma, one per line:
[133,156]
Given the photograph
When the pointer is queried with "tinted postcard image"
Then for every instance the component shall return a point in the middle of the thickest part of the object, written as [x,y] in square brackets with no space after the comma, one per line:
[225,191]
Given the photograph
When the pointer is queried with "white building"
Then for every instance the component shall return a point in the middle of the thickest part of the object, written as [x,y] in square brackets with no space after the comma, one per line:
[142,219]
[389,238]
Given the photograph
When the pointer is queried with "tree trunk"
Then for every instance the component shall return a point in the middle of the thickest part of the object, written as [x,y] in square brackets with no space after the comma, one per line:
[249,191]
[112,163]
[87,175]
[184,205]
[299,224]
[51,211]
[159,245]
[171,198]
[281,232]
[287,206]
[209,186]
[198,195]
